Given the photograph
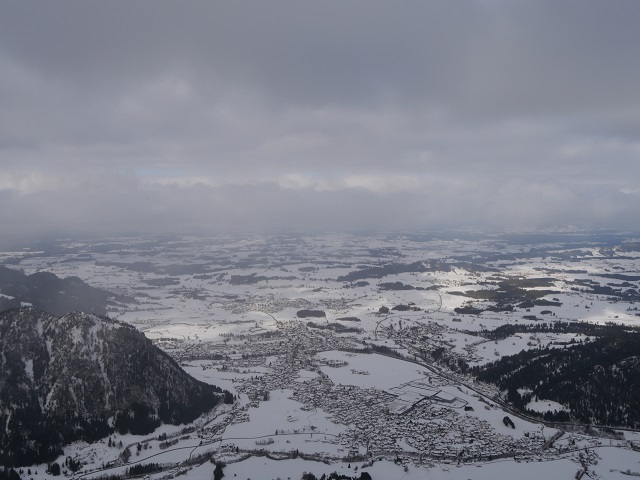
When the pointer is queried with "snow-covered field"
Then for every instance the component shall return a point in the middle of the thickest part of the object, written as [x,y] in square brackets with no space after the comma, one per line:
[227,310]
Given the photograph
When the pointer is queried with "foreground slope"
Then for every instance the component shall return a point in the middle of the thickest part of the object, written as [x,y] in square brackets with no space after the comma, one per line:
[596,381]
[82,376]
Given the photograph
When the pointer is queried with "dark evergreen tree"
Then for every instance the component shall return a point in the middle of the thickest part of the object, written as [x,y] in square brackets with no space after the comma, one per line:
[53,469]
[217,472]
[9,474]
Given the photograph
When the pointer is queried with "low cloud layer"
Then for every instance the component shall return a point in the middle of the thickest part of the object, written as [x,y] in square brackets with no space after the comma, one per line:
[211,116]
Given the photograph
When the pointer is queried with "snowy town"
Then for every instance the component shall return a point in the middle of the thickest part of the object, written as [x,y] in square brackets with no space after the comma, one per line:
[338,359]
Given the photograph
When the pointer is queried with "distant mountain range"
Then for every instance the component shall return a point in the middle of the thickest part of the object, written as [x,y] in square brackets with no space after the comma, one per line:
[58,296]
[81,376]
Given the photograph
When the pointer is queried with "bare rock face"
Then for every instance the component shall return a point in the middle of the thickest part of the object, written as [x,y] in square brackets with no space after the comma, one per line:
[82,377]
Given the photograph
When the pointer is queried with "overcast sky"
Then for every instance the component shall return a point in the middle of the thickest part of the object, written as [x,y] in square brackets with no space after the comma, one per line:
[190,116]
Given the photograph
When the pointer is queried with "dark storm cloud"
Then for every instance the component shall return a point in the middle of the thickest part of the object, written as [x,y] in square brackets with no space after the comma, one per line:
[183,115]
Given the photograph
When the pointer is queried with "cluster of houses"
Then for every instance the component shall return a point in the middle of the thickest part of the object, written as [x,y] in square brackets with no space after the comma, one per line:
[417,423]
[432,426]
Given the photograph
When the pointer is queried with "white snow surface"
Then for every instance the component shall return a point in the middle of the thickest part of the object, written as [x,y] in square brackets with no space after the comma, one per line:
[200,316]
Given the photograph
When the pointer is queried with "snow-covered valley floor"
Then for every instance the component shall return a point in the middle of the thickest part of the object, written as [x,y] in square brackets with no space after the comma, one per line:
[348,387]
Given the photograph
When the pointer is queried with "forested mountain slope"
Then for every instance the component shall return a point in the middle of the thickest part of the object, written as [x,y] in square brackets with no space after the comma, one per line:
[597,381]
[82,376]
